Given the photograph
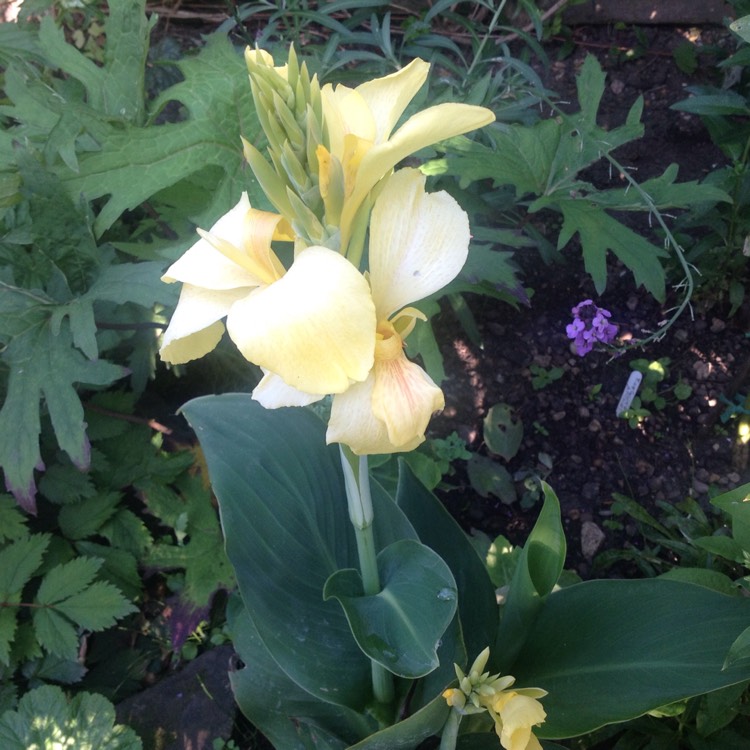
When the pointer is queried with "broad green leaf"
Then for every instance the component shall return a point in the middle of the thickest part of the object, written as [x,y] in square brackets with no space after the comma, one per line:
[409,733]
[736,503]
[488,477]
[711,579]
[712,102]
[477,605]
[608,651]
[401,625]
[135,163]
[284,513]
[723,546]
[739,650]
[599,232]
[502,431]
[120,567]
[741,27]
[275,704]
[67,579]
[44,717]
[535,576]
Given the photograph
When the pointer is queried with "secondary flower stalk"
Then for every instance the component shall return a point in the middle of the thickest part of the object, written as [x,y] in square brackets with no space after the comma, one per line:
[515,711]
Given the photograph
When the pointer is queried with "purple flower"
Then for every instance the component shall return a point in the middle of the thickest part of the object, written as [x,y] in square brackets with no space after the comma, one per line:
[590,324]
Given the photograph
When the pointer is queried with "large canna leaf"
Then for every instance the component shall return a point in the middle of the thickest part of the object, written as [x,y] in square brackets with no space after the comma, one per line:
[284,514]
[283,711]
[608,651]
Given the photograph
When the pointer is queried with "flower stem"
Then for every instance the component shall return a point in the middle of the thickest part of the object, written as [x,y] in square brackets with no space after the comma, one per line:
[357,482]
[449,735]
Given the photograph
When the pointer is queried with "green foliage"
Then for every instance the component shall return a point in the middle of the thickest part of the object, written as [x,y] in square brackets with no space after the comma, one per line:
[76,570]
[541,164]
[655,393]
[45,719]
[541,377]
[280,488]
[715,235]
[74,313]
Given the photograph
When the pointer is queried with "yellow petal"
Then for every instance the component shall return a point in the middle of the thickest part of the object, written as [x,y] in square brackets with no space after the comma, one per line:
[404,398]
[315,327]
[261,57]
[272,393]
[422,129]
[388,97]
[194,329]
[353,423]
[203,265]
[346,112]
[418,242]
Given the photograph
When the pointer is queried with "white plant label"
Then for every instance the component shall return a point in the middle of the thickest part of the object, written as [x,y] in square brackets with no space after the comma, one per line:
[631,388]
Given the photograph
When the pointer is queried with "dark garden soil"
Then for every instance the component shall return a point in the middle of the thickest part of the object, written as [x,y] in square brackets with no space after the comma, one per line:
[572,437]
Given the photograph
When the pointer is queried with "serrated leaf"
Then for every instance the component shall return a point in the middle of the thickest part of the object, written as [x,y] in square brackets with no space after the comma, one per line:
[96,608]
[44,716]
[44,367]
[663,191]
[599,232]
[18,562]
[85,518]
[12,521]
[139,162]
[67,579]
[56,633]
[7,631]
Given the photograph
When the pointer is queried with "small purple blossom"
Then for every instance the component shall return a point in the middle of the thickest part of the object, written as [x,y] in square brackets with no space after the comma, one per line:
[590,324]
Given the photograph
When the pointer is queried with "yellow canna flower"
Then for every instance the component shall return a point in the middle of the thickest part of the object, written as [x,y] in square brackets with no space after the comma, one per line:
[514,712]
[311,325]
[418,244]
[360,124]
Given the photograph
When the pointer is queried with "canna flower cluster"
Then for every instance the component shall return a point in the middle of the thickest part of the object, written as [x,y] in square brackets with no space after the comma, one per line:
[514,711]
[590,324]
[324,324]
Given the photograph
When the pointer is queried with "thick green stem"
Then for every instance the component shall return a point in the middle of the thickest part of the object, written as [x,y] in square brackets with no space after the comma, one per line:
[450,731]
[357,481]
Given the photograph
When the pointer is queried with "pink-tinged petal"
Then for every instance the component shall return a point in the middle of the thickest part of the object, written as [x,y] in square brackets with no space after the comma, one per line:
[388,97]
[314,328]
[353,423]
[273,393]
[419,242]
[195,328]
[404,398]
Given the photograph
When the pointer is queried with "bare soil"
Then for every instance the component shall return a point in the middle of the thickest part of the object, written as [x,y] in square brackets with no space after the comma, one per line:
[684,449]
